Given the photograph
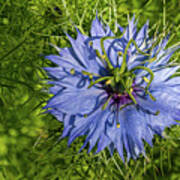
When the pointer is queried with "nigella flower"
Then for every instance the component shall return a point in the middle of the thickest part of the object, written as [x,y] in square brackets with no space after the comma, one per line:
[116,90]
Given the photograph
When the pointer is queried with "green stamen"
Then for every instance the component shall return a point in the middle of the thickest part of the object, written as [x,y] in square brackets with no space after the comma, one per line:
[117,116]
[141,52]
[108,82]
[72,71]
[147,92]
[131,96]
[125,105]
[129,82]
[151,96]
[117,75]
[146,79]
[149,71]
[85,115]
[104,52]
[89,74]
[176,74]
[90,43]
[157,113]
[149,60]
[99,80]
[119,53]
[106,103]
[124,65]
[98,54]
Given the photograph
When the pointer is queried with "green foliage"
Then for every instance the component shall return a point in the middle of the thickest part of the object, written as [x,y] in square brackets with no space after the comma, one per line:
[29,145]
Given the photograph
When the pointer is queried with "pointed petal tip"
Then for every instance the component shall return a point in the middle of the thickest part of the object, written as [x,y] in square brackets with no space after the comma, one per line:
[69,37]
[52,57]
[89,150]
[131,19]
[45,107]
[69,141]
[47,57]
[78,31]
[147,22]
[56,47]
[47,68]
[120,28]
[96,13]
[97,151]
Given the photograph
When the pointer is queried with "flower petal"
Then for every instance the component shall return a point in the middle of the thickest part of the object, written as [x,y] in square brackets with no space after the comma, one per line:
[164,74]
[96,125]
[76,101]
[142,35]
[130,32]
[97,28]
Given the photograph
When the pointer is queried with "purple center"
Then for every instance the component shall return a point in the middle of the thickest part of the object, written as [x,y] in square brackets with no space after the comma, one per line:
[121,98]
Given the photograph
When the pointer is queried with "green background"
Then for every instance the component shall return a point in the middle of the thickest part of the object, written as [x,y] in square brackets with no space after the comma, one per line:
[28,138]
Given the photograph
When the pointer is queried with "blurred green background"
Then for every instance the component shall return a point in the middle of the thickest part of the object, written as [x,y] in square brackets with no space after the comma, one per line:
[28,138]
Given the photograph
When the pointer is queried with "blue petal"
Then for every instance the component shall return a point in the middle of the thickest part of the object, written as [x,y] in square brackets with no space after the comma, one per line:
[115,135]
[162,58]
[55,72]
[76,132]
[85,55]
[133,129]
[80,37]
[68,124]
[120,28]
[74,81]
[143,34]
[66,80]
[79,50]
[103,142]
[96,126]
[56,89]
[168,106]
[58,114]
[173,82]
[66,61]
[164,74]
[160,47]
[76,101]
[97,28]
[130,32]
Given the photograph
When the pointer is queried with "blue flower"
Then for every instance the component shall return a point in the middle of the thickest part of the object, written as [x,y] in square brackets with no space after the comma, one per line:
[116,90]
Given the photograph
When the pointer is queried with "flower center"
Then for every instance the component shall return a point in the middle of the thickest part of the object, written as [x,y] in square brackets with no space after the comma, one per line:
[122,99]
[119,83]
[121,79]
